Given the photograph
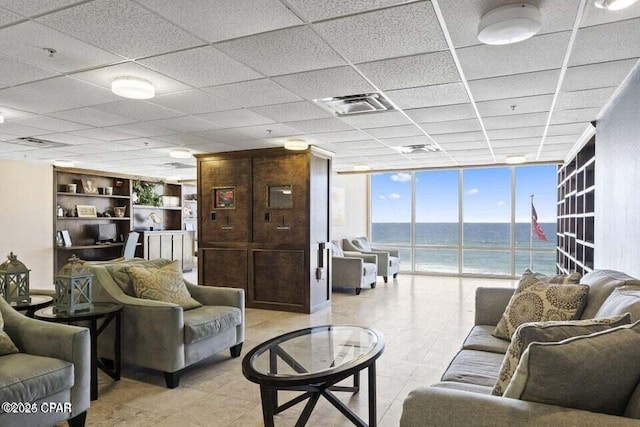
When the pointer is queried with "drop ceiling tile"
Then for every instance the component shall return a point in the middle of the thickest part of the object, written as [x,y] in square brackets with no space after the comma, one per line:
[326,83]
[223,135]
[462,17]
[459,137]
[253,144]
[593,76]
[516,142]
[453,126]
[185,124]
[484,61]
[213,67]
[509,106]
[429,96]
[254,93]
[137,110]
[46,154]
[562,139]
[377,120]
[7,17]
[26,42]
[225,19]
[274,130]
[69,138]
[282,52]
[104,76]
[568,129]
[292,111]
[35,7]
[516,121]
[596,16]
[397,31]
[519,85]
[574,116]
[121,27]
[183,139]
[529,151]
[10,113]
[236,118]
[320,125]
[441,114]
[72,90]
[357,145]
[318,10]
[15,72]
[407,140]
[18,130]
[411,71]
[213,147]
[465,145]
[6,147]
[49,123]
[349,135]
[609,42]
[194,102]
[92,117]
[528,132]
[145,143]
[584,98]
[144,130]
[395,131]
[102,134]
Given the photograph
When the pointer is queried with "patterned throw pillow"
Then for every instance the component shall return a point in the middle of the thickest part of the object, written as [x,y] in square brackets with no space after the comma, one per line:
[120,275]
[6,345]
[539,302]
[552,331]
[162,284]
[528,276]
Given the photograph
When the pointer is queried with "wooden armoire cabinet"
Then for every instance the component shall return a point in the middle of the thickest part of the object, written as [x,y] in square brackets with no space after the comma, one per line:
[263,226]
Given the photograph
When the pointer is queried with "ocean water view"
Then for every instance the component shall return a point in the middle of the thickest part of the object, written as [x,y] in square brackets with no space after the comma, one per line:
[475,235]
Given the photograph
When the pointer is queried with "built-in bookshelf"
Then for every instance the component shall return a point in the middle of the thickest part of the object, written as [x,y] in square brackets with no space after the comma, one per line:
[576,212]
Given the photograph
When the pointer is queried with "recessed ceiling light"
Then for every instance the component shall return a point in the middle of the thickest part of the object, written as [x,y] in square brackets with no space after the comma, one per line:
[515,160]
[296,144]
[361,167]
[63,163]
[509,24]
[180,153]
[614,4]
[133,87]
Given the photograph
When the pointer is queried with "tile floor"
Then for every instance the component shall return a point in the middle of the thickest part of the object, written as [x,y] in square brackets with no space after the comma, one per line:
[423,319]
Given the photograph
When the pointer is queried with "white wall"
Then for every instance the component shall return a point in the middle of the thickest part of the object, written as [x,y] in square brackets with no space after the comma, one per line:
[355,186]
[617,207]
[26,217]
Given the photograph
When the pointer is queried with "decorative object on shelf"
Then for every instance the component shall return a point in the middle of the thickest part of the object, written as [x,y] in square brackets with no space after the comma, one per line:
[118,183]
[86,211]
[108,191]
[74,283]
[59,211]
[14,280]
[145,194]
[224,198]
[171,201]
[101,190]
[66,238]
[187,212]
[72,188]
[59,240]
[153,217]
[119,211]
[89,187]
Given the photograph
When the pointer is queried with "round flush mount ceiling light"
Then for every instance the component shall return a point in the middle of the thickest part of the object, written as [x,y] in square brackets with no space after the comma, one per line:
[63,163]
[512,23]
[296,144]
[133,87]
[515,160]
[361,167]
[614,4]
[180,153]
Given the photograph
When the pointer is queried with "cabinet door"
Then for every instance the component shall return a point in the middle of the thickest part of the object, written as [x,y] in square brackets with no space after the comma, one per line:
[223,267]
[275,222]
[225,210]
[187,251]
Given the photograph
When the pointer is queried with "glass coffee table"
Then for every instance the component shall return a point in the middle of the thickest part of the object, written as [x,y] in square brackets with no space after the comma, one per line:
[313,361]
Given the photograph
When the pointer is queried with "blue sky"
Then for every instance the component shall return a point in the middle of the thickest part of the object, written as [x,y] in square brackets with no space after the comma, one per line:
[487,193]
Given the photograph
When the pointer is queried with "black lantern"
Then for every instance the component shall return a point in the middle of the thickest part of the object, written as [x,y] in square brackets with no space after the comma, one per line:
[14,280]
[74,284]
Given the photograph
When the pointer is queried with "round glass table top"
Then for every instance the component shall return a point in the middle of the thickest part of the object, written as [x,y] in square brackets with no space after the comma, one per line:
[317,350]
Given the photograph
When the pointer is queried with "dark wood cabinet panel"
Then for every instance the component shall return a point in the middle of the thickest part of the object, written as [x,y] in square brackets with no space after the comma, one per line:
[279,277]
[223,267]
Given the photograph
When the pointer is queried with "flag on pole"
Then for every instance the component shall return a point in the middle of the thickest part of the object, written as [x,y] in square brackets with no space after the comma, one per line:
[535,227]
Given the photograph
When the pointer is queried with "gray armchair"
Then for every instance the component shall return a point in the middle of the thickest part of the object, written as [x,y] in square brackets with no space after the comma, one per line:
[352,269]
[53,366]
[388,259]
[163,336]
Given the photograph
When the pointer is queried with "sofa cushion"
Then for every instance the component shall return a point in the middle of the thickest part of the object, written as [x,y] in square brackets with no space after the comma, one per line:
[206,321]
[473,388]
[625,299]
[601,284]
[162,284]
[539,302]
[119,274]
[474,367]
[362,243]
[596,372]
[27,378]
[548,332]
[6,344]
[633,405]
[336,248]
[480,338]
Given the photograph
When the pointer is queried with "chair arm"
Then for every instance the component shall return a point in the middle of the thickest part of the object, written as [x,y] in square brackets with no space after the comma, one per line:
[214,295]
[490,304]
[371,258]
[347,271]
[432,406]
[391,251]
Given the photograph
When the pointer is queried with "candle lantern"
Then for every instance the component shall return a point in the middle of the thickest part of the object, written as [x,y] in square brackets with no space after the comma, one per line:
[74,284]
[14,280]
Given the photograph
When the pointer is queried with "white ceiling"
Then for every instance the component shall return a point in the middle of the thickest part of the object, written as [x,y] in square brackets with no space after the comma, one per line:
[243,74]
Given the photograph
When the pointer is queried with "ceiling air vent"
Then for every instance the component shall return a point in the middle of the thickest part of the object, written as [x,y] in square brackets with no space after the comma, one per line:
[356,104]
[178,165]
[428,148]
[36,142]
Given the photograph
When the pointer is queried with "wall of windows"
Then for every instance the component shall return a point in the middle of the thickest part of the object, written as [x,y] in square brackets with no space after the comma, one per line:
[474,221]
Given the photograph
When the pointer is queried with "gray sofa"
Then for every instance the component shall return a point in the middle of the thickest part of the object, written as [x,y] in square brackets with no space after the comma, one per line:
[388,259]
[463,397]
[352,269]
[163,336]
[53,366]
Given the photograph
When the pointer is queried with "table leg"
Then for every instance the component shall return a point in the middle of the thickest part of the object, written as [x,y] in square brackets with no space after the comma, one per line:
[266,395]
[117,349]
[94,355]
[373,417]
[356,382]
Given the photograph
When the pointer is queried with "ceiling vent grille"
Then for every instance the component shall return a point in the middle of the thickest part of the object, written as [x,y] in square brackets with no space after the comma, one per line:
[365,103]
[178,165]
[36,142]
[425,148]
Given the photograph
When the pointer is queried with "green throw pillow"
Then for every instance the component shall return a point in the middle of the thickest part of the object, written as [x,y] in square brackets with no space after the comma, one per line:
[529,276]
[596,372]
[162,284]
[6,345]
[552,331]
[120,275]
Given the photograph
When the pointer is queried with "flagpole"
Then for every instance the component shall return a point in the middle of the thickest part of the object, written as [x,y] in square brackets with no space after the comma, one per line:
[531,237]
